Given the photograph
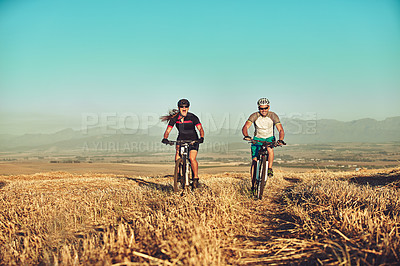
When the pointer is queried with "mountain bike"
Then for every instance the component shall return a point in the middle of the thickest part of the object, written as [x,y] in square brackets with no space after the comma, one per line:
[260,166]
[183,174]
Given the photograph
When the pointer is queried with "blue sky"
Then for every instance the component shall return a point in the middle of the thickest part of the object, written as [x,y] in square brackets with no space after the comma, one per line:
[61,59]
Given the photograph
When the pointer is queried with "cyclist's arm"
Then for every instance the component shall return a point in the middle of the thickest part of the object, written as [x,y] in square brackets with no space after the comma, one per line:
[281,131]
[245,129]
[167,131]
[201,130]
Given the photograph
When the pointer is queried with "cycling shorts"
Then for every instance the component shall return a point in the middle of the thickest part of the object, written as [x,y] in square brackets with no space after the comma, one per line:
[194,146]
[255,148]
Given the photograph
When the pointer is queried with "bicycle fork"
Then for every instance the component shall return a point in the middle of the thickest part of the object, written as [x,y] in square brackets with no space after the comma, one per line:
[258,180]
[257,166]
[186,164]
[187,173]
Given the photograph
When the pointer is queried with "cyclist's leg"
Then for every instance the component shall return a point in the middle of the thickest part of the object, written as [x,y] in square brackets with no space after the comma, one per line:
[177,156]
[254,154]
[270,156]
[195,167]
[193,161]
[193,150]
[270,161]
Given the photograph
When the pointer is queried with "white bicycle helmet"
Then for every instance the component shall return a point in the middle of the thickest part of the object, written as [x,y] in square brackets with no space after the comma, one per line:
[263,101]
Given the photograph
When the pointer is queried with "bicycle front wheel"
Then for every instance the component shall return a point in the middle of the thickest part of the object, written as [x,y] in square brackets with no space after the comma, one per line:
[178,174]
[254,178]
[263,180]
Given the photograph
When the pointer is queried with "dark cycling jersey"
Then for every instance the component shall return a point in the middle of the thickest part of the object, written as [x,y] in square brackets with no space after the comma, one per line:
[187,127]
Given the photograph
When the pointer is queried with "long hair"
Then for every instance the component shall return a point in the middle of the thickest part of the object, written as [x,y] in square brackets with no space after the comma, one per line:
[171,114]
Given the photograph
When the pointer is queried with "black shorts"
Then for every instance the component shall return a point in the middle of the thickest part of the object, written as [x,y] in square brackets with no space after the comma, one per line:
[194,146]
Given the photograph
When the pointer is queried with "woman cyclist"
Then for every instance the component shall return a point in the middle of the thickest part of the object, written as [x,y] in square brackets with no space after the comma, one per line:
[186,123]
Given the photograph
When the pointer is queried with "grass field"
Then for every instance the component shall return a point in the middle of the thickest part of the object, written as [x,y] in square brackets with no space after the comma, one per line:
[316,217]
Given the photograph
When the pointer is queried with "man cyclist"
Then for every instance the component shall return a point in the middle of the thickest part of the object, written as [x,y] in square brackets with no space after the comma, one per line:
[186,123]
[264,122]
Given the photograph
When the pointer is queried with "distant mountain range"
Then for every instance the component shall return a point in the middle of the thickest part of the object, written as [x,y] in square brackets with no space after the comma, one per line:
[297,132]
[326,130]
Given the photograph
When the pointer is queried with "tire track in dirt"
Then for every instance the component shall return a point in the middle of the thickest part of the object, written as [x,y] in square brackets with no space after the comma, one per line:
[271,239]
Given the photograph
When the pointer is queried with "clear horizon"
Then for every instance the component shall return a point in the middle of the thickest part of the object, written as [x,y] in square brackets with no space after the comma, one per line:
[131,122]
[59,60]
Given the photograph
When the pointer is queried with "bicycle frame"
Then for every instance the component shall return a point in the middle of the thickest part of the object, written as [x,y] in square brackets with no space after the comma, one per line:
[262,153]
[183,165]
[261,177]
[261,166]
[184,153]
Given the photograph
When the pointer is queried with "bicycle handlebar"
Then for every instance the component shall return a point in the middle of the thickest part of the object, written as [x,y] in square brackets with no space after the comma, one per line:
[271,144]
[172,142]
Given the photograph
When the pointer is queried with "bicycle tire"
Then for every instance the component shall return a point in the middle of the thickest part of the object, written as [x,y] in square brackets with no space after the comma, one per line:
[178,174]
[254,181]
[263,181]
[184,169]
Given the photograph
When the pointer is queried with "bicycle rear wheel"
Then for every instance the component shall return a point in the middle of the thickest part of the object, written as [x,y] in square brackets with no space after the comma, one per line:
[178,174]
[262,172]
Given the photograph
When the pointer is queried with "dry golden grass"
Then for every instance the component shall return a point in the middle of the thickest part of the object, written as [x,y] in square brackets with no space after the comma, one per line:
[306,218]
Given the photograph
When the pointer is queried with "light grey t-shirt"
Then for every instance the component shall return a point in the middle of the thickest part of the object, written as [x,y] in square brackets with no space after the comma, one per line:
[264,126]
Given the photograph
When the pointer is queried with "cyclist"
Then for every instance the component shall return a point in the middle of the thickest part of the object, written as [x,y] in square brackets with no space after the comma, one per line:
[186,123]
[264,122]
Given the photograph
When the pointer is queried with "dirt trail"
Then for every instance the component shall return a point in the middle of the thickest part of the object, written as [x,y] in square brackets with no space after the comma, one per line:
[270,238]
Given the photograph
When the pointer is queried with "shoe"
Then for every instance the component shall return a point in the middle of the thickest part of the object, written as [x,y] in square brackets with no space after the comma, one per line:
[195,182]
[270,172]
